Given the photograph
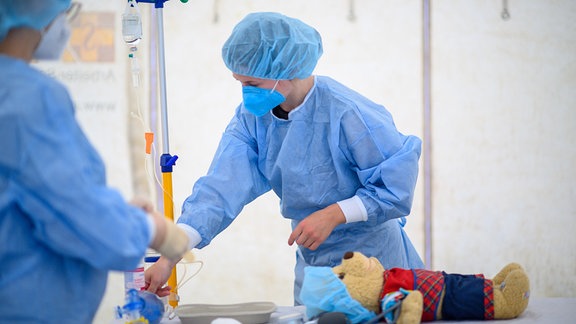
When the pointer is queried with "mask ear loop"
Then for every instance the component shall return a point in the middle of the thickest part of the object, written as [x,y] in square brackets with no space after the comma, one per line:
[274,88]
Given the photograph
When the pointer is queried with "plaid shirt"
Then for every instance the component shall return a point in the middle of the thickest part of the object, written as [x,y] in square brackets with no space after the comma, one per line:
[431,284]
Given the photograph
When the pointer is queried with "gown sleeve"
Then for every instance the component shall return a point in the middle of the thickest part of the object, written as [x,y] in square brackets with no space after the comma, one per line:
[60,183]
[385,161]
[233,180]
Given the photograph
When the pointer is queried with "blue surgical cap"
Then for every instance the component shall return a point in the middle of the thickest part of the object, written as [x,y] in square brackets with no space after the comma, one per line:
[36,14]
[269,45]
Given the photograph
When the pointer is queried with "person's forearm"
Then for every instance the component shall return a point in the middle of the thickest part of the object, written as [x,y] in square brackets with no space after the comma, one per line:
[336,214]
[166,262]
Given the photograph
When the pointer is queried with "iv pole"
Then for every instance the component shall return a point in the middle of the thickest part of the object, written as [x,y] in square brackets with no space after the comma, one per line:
[167,161]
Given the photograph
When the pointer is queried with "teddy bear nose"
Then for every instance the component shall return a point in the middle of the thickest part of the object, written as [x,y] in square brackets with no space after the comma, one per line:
[348,255]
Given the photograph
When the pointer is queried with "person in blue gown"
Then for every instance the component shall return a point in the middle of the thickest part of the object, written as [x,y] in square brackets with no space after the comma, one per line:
[344,174]
[61,227]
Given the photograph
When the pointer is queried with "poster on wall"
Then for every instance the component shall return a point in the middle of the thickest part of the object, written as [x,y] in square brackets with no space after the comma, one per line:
[93,68]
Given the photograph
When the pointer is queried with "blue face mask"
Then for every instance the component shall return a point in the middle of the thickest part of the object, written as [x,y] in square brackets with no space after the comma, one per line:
[260,101]
[54,39]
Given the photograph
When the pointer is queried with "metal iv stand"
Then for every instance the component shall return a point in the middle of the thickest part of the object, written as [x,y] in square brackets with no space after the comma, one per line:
[167,161]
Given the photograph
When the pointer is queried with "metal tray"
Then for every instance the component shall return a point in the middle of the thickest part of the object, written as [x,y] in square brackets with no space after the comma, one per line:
[246,313]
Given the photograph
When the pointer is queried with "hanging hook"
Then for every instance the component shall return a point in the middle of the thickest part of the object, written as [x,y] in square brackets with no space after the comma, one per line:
[216,16]
[505,14]
[351,11]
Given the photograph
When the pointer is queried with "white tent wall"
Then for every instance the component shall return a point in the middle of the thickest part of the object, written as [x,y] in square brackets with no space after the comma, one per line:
[503,118]
[504,121]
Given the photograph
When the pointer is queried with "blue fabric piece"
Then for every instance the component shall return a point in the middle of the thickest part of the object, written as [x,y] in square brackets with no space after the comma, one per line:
[335,145]
[463,297]
[387,242]
[323,292]
[61,227]
[269,45]
[36,14]
[142,303]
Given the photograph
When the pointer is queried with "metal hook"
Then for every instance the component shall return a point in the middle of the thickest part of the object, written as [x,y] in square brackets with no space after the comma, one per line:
[505,14]
[216,16]
[351,11]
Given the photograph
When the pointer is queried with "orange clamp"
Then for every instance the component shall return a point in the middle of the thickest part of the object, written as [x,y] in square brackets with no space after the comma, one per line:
[149,139]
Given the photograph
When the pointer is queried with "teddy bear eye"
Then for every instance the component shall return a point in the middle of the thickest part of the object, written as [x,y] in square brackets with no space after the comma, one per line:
[341,275]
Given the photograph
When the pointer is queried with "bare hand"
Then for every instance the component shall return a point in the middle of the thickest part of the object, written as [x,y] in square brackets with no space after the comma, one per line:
[157,275]
[142,203]
[314,229]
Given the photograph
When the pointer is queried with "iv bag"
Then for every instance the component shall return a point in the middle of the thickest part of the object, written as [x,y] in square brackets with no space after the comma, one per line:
[132,24]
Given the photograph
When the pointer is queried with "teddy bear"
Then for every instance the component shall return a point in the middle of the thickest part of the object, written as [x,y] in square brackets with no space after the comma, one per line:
[433,295]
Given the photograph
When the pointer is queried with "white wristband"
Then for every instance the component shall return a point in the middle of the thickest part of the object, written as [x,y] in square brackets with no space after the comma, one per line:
[353,209]
[194,237]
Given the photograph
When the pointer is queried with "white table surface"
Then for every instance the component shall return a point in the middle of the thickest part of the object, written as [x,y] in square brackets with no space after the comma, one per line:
[540,310]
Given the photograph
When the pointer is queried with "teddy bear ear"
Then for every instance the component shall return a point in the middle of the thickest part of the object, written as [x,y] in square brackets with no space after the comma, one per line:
[348,255]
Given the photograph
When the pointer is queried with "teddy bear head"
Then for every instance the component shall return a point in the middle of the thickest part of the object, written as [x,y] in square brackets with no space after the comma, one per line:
[363,278]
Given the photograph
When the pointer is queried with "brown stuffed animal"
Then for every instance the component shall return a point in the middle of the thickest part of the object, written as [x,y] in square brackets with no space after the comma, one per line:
[435,295]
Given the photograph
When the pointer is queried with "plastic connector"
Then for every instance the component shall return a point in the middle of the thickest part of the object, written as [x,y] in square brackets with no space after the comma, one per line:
[167,161]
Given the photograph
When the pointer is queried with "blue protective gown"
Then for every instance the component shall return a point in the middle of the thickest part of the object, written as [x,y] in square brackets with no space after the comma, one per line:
[335,145]
[61,227]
